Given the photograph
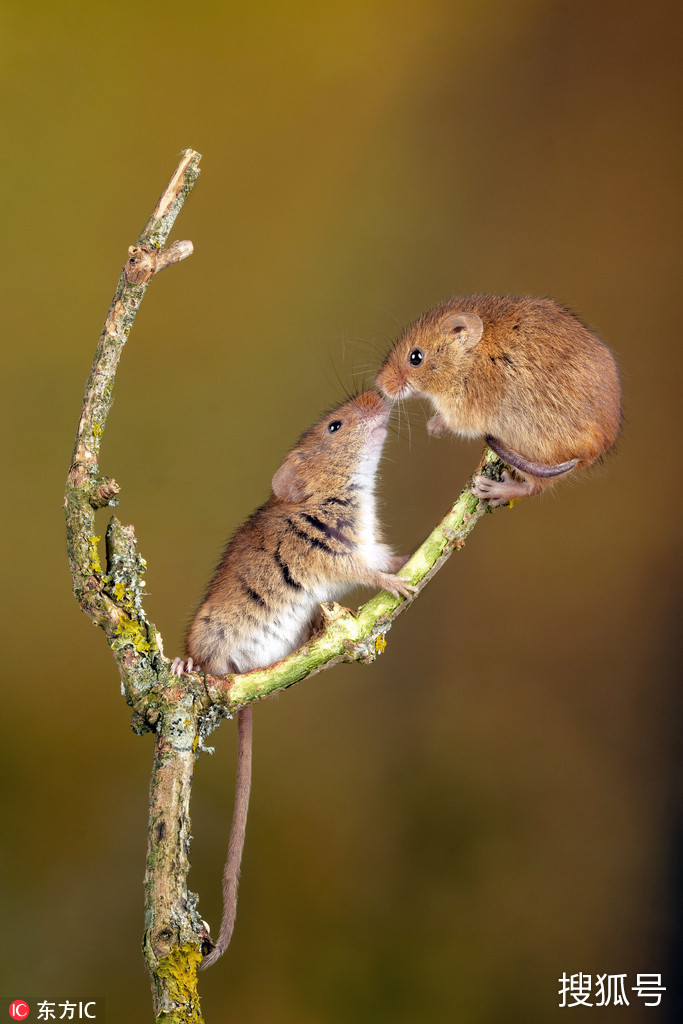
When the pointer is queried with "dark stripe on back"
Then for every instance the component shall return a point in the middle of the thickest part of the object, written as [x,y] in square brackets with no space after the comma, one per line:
[338,501]
[253,594]
[286,574]
[311,541]
[318,524]
[327,529]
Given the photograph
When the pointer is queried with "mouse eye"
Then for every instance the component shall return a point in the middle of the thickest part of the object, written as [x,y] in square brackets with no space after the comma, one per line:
[416,356]
[334,426]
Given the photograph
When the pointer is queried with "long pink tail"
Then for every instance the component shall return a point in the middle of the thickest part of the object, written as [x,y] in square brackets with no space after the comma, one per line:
[231,871]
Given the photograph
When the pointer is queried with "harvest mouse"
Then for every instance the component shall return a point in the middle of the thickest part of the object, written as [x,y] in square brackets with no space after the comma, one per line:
[315,538]
[524,373]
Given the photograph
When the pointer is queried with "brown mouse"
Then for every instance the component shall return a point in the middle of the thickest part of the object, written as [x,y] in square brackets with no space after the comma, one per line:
[524,373]
[315,538]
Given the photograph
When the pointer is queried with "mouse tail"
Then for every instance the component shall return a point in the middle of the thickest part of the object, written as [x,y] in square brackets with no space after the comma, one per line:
[231,871]
[524,465]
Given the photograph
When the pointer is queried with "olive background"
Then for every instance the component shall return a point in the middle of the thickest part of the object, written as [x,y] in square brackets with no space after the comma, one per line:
[440,835]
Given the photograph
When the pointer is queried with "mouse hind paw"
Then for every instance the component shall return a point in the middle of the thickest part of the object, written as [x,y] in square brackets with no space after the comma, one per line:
[179,666]
[497,492]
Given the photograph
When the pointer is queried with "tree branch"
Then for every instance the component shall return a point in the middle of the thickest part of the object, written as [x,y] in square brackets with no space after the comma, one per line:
[112,599]
[183,711]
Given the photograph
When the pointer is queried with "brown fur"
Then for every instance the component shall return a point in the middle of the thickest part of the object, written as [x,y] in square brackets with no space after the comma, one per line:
[526,372]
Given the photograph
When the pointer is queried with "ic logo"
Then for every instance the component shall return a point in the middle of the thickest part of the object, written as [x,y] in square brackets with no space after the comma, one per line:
[19,1010]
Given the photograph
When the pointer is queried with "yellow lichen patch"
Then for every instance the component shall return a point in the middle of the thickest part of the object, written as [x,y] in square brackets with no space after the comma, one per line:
[130,632]
[179,970]
[380,644]
[93,554]
[127,593]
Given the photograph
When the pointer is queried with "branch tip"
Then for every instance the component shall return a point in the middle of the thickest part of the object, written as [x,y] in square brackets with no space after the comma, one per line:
[106,493]
[331,612]
[174,186]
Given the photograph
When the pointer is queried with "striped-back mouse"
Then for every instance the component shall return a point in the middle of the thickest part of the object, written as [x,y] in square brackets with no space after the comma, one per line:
[315,538]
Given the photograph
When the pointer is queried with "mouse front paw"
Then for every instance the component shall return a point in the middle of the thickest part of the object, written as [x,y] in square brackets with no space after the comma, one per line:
[396,585]
[437,426]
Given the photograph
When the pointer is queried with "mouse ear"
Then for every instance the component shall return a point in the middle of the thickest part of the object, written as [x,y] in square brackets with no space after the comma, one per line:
[288,482]
[465,328]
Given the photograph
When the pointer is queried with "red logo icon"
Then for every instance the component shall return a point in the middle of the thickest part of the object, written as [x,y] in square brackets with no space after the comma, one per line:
[19,1010]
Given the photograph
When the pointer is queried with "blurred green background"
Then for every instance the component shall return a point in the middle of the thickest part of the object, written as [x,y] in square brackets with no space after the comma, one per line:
[437,837]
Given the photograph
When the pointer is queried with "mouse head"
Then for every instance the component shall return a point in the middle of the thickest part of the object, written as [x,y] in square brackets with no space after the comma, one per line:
[428,351]
[343,448]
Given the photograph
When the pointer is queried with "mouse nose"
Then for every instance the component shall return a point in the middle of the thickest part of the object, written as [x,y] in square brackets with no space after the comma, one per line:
[392,381]
[374,404]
